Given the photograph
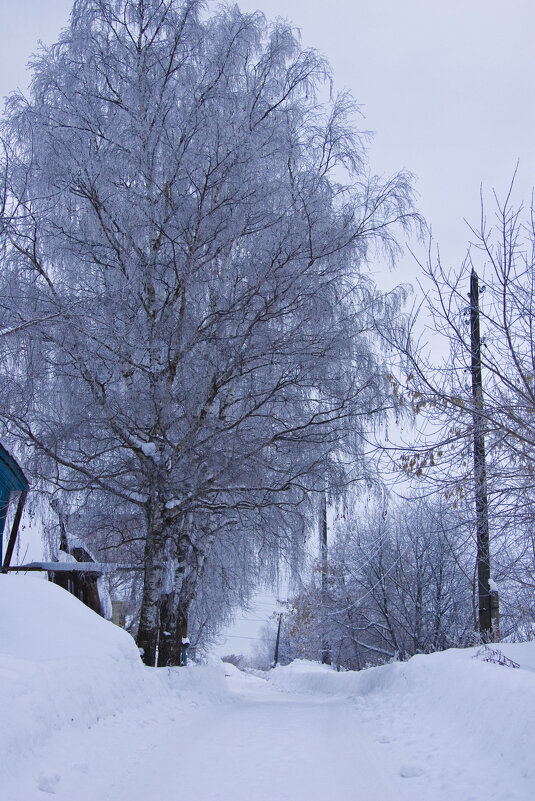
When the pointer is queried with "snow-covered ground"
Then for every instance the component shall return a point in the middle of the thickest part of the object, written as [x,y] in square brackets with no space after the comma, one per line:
[81,718]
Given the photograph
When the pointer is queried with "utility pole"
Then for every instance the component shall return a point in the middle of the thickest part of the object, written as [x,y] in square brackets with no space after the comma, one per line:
[277,643]
[486,619]
[325,650]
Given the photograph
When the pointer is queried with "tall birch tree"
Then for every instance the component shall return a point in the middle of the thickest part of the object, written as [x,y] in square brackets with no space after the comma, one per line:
[189,223]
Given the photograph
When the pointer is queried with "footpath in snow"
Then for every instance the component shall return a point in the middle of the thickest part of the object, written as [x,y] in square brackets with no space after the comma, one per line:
[81,718]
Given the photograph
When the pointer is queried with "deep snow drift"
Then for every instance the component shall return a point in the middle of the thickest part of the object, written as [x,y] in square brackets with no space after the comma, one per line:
[61,665]
[81,717]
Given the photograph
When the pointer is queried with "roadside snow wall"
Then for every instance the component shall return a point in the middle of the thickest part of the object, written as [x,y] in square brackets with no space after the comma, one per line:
[60,664]
[486,702]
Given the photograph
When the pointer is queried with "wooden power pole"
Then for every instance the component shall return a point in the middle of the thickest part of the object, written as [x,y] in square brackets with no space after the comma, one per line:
[325,650]
[277,643]
[487,616]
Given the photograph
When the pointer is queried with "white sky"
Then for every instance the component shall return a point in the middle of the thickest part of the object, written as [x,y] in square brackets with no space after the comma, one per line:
[447,85]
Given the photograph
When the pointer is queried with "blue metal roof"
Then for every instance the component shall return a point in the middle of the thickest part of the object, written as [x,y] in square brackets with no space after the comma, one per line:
[12,479]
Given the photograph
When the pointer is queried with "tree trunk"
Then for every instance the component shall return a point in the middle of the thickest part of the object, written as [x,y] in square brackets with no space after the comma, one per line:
[149,620]
[168,625]
[173,629]
[175,603]
[190,567]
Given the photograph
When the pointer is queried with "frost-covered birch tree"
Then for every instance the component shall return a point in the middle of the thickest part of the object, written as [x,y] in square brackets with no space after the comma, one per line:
[190,222]
[400,583]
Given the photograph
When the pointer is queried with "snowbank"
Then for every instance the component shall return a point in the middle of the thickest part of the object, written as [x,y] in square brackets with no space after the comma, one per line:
[311,677]
[456,689]
[64,667]
[60,665]
[441,721]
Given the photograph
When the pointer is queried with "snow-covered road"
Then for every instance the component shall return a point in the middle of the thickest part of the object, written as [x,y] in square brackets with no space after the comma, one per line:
[82,719]
[259,743]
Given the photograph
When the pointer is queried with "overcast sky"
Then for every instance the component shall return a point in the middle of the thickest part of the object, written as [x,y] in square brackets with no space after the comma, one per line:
[446,85]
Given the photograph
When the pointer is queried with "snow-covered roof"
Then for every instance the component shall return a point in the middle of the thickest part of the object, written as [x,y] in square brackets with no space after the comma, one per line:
[75,567]
[68,567]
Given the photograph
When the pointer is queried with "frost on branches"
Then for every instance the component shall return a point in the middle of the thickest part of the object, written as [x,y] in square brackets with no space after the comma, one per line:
[185,224]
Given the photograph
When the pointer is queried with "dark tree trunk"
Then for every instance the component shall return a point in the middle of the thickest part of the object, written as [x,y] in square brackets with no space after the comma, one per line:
[175,605]
[168,624]
[190,567]
[173,630]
